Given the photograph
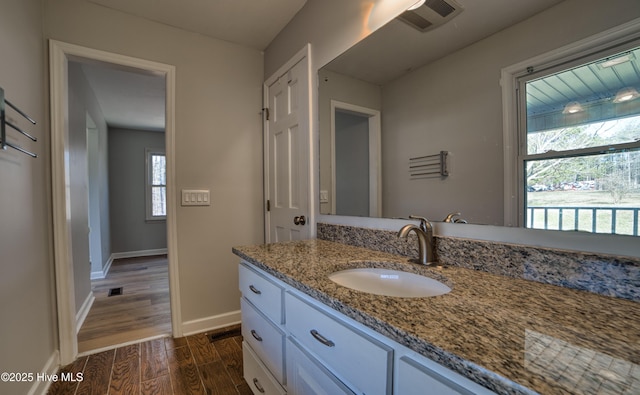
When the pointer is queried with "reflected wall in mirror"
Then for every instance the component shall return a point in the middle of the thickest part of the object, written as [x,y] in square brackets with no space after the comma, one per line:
[440,91]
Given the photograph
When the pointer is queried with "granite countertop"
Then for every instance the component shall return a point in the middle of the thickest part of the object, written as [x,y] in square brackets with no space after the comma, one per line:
[510,335]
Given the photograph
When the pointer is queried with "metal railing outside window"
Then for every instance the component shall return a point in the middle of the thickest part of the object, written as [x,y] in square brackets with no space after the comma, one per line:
[612,220]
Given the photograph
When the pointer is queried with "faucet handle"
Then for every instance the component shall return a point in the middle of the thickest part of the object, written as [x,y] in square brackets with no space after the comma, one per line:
[423,222]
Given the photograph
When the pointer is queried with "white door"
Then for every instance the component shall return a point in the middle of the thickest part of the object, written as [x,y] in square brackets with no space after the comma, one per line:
[288,154]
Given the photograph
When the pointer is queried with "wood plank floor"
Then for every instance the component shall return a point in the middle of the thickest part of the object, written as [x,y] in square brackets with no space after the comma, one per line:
[141,312]
[187,365]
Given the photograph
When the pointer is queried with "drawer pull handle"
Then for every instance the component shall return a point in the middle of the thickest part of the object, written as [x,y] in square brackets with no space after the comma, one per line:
[321,338]
[256,383]
[255,290]
[255,335]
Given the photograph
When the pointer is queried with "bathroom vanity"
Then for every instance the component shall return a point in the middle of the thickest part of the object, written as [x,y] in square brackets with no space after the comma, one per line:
[303,333]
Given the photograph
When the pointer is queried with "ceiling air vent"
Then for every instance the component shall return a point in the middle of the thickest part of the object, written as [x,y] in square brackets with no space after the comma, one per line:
[431,14]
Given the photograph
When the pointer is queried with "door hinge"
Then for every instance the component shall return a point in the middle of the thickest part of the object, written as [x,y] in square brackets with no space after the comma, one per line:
[268,205]
[266,112]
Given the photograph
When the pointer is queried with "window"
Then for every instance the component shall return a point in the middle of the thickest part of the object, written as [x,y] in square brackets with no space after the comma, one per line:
[579,143]
[156,184]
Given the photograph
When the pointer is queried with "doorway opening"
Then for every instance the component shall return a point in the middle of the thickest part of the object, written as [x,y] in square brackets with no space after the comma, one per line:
[356,173]
[61,54]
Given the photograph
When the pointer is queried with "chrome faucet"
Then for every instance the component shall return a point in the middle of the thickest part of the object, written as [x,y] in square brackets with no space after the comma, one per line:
[425,239]
[452,218]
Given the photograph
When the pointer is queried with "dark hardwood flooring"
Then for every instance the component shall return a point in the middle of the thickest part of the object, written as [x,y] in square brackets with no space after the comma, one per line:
[186,365]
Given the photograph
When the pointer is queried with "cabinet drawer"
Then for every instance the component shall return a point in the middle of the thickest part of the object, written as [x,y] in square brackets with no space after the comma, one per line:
[265,339]
[362,362]
[308,376]
[262,293]
[257,376]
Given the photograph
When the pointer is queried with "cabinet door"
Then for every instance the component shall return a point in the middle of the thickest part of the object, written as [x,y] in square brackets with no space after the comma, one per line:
[415,378]
[307,376]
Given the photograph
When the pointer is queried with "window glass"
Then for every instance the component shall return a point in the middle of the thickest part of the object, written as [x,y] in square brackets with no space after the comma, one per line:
[156,186]
[158,166]
[581,147]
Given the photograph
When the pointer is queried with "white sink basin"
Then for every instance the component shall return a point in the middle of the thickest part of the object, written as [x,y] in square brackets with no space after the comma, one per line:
[389,282]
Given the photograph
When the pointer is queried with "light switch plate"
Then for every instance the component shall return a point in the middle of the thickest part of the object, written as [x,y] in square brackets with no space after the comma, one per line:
[196,197]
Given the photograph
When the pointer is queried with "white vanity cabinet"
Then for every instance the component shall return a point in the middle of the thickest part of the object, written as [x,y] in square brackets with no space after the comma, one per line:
[294,344]
[262,333]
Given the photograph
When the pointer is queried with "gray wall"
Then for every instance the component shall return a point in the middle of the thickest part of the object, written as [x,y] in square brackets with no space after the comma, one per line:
[130,231]
[28,336]
[82,100]
[218,142]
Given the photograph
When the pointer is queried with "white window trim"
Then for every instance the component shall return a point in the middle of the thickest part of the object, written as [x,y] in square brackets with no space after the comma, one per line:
[147,184]
[513,191]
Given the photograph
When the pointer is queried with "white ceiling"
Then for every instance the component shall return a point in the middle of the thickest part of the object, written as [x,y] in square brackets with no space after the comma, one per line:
[133,100]
[252,23]
[398,48]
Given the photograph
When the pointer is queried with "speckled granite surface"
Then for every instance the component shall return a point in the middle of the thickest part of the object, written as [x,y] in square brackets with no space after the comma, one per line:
[510,335]
[603,274]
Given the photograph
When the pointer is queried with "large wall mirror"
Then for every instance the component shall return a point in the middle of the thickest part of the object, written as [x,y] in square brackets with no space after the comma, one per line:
[409,91]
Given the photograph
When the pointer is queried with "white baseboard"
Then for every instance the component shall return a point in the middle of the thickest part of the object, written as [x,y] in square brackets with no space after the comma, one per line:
[135,254]
[81,315]
[129,254]
[102,273]
[210,323]
[40,387]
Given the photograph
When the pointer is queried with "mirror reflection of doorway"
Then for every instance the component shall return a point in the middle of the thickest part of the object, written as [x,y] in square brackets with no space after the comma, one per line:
[356,160]
[352,164]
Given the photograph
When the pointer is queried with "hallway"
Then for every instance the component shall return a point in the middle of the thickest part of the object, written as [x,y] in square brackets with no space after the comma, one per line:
[141,311]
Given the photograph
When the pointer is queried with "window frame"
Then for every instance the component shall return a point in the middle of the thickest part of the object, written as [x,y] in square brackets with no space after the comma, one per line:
[149,152]
[611,41]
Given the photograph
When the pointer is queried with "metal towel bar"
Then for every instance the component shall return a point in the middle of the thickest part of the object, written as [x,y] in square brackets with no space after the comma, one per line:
[4,123]
[429,166]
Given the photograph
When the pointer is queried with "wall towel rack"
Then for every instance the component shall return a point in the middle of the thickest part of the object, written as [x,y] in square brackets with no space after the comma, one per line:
[429,166]
[4,123]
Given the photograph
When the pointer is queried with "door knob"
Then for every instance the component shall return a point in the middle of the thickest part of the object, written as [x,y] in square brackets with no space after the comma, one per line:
[301,220]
